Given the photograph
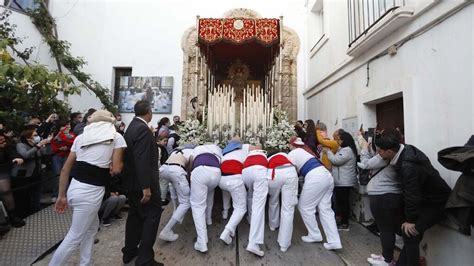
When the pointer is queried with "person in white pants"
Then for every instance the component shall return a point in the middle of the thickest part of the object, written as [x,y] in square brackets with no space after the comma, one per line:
[225,204]
[316,193]
[282,179]
[231,181]
[174,171]
[205,177]
[94,156]
[254,176]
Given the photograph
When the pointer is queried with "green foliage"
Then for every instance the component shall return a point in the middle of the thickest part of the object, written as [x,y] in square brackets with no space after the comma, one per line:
[61,51]
[30,90]
[8,38]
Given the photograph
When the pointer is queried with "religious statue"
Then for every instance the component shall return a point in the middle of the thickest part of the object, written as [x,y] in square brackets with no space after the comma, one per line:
[238,75]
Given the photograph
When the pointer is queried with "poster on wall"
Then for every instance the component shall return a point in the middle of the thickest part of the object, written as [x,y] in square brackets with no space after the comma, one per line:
[156,90]
[350,125]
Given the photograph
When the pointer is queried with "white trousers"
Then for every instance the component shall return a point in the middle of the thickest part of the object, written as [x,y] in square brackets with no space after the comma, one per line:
[255,179]
[85,201]
[317,192]
[235,186]
[225,200]
[204,179]
[286,184]
[177,176]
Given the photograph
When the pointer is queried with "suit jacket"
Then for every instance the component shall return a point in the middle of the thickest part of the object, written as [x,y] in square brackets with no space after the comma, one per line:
[141,158]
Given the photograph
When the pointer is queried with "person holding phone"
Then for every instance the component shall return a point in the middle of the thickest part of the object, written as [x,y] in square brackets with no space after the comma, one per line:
[8,158]
[385,195]
[31,148]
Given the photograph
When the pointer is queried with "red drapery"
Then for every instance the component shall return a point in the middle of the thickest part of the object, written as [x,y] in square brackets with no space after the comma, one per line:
[239,30]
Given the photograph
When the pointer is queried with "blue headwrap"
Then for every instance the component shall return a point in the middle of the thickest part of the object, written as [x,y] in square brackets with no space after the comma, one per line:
[232,146]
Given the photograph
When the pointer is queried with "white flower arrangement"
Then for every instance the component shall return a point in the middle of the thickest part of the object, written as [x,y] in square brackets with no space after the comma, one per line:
[192,131]
[273,138]
[277,136]
[250,137]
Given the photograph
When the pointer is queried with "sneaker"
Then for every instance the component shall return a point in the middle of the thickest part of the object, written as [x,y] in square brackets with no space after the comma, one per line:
[284,249]
[200,247]
[117,217]
[225,214]
[225,236]
[273,228]
[255,249]
[106,222]
[209,221]
[377,257]
[17,222]
[331,246]
[343,227]
[310,239]
[379,261]
[4,228]
[165,202]
[169,236]
[373,228]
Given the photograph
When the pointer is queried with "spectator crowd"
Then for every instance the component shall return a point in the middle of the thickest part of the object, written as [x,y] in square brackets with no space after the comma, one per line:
[98,160]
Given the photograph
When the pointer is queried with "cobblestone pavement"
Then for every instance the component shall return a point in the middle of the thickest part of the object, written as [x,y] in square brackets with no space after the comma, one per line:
[358,244]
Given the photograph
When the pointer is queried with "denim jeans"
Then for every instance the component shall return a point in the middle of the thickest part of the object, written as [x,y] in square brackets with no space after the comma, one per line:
[58,163]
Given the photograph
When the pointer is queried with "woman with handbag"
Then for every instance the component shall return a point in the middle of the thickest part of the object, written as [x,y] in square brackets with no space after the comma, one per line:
[386,201]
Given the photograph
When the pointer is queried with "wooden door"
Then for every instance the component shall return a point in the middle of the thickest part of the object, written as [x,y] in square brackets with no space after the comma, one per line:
[390,114]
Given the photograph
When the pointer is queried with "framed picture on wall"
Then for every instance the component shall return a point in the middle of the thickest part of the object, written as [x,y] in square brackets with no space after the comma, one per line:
[156,90]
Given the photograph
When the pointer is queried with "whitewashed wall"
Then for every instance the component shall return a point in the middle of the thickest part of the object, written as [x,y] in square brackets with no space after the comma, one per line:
[146,35]
[434,73]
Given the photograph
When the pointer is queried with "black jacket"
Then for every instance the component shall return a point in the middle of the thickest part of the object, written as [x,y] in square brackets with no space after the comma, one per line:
[460,205]
[421,183]
[7,154]
[141,158]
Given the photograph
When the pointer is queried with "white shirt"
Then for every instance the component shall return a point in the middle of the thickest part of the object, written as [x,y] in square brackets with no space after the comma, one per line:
[208,148]
[299,157]
[98,154]
[395,158]
[146,123]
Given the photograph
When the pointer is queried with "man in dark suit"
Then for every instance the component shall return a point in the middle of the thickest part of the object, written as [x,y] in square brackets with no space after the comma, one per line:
[141,180]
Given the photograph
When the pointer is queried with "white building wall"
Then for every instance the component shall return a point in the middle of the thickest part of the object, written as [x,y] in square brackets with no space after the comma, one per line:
[434,73]
[31,38]
[146,35]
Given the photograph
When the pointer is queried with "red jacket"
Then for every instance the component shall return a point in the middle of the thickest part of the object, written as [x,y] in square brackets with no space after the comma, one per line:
[65,138]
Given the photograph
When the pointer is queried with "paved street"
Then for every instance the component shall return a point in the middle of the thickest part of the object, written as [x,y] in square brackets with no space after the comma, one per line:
[358,243]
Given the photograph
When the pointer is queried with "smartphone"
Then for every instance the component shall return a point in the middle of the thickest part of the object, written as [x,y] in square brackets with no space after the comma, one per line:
[371,132]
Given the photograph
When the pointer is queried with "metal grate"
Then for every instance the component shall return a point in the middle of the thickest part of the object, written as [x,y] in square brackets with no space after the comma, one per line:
[43,230]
